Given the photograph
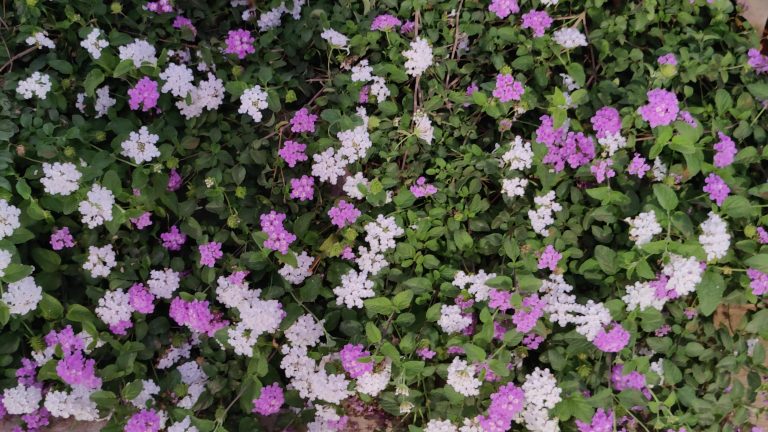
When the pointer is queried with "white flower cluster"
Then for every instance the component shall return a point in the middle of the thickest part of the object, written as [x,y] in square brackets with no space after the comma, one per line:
[519,156]
[140,146]
[477,286]
[97,208]
[514,187]
[94,44]
[351,183]
[208,94]
[139,52]
[569,37]
[418,58]
[174,354]
[560,304]
[22,296]
[60,178]
[114,307]
[641,295]
[328,165]
[252,102]
[714,237]
[103,101]
[193,376]
[36,85]
[659,170]
[40,40]
[356,286]
[335,39]
[362,72]
[183,426]
[148,389]
[9,218]
[461,377]
[612,143]
[310,379]
[541,395]
[684,274]
[22,399]
[355,143]
[76,404]
[326,420]
[422,127]
[178,80]
[162,283]
[643,227]
[452,320]
[5,261]
[436,425]
[373,383]
[306,331]
[543,216]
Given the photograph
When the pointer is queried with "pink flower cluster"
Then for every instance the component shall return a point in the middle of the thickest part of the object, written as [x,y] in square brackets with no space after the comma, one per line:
[269,401]
[573,148]
[144,93]
[503,8]
[209,253]
[725,151]
[422,188]
[141,299]
[506,403]
[343,214]
[602,170]
[757,61]
[538,21]
[385,22]
[240,43]
[525,318]
[143,421]
[182,21]
[549,258]
[76,370]
[61,239]
[303,121]
[758,281]
[606,122]
[279,238]
[196,315]
[668,59]
[350,355]
[142,221]
[633,380]
[507,88]
[293,152]
[662,108]
[602,421]
[762,235]
[717,189]
[638,166]
[160,6]
[174,181]
[499,300]
[613,340]
[303,188]
[174,239]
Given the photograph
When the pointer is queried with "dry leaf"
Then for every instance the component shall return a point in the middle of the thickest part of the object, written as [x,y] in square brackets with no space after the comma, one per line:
[757,14]
[730,316]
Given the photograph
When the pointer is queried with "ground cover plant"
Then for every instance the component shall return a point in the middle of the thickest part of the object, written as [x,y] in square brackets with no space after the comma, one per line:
[460,215]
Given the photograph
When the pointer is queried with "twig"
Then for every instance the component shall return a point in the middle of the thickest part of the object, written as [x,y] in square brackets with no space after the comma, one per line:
[17,56]
[455,40]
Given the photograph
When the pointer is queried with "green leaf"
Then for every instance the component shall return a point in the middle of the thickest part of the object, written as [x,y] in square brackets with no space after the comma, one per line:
[403,299]
[92,80]
[379,305]
[132,390]
[104,399]
[473,352]
[47,260]
[606,259]
[78,313]
[462,240]
[372,332]
[710,292]
[759,261]
[737,206]
[50,308]
[62,66]
[123,68]
[665,195]
[419,285]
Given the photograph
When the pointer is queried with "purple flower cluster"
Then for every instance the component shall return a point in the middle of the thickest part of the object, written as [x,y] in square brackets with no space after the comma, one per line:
[758,281]
[144,93]
[279,238]
[757,61]
[499,300]
[143,421]
[196,315]
[602,170]
[725,151]
[762,235]
[668,59]
[269,401]
[638,166]
[525,318]
[633,380]
[343,214]
[142,221]
[61,239]
[209,253]
[606,122]
[717,189]
[174,239]
[687,117]
[506,404]
[293,152]
[76,370]
[613,340]
[303,121]
[141,299]
[174,181]
[182,21]
[66,339]
[602,421]
[662,108]
[350,355]
[532,341]
[240,43]
[549,258]
[27,373]
[422,188]
[503,8]
[538,21]
[576,150]
[303,188]
[507,88]
[160,6]
[385,22]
